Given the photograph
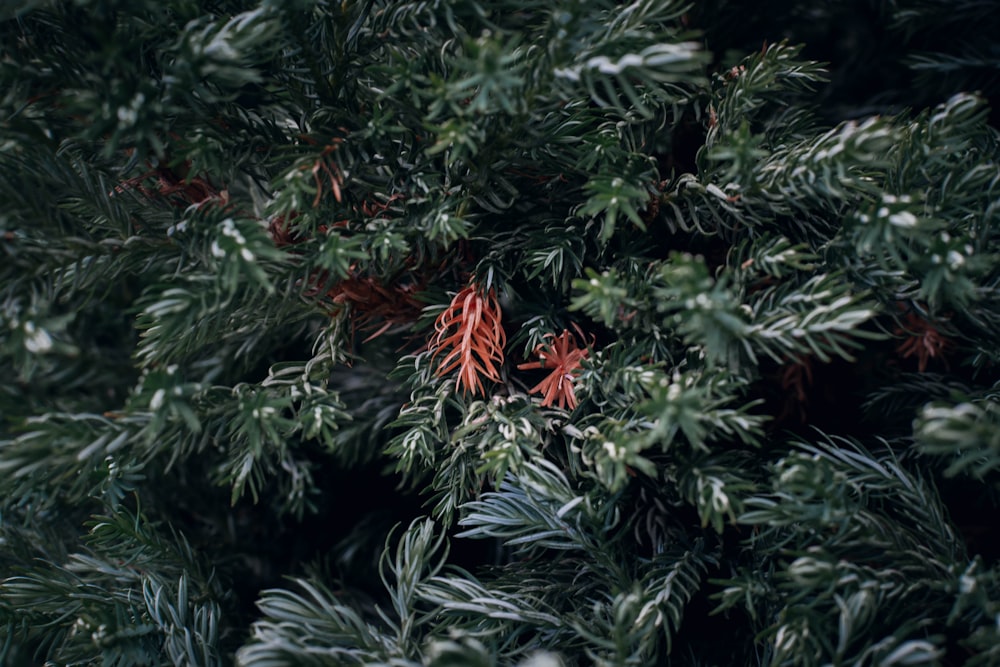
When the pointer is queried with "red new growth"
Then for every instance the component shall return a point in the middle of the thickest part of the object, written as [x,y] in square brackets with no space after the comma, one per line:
[923,341]
[563,356]
[471,333]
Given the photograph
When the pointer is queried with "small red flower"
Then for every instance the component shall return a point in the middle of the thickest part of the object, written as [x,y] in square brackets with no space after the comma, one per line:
[471,332]
[564,357]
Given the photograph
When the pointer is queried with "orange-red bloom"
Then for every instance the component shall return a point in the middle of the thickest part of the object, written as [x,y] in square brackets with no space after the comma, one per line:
[469,330]
[564,357]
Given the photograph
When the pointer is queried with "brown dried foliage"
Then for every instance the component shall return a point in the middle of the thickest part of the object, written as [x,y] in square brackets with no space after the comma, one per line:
[374,308]
[923,341]
[176,186]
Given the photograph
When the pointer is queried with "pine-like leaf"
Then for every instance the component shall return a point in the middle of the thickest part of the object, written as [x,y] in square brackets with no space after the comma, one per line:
[564,358]
[472,338]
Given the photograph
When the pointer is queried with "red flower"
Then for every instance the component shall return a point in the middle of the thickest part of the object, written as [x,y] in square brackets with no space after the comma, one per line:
[471,332]
[563,356]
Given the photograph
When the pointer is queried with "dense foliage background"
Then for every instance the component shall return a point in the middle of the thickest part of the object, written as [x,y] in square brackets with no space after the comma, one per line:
[455,332]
